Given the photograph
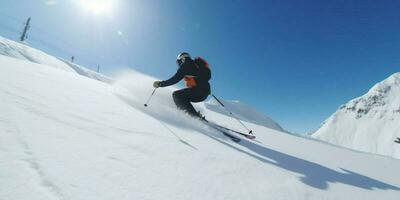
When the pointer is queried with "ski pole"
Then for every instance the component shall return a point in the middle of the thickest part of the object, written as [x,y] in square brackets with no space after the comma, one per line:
[145,105]
[234,116]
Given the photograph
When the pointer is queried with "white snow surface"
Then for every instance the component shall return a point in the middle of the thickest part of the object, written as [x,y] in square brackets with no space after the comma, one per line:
[66,136]
[24,52]
[369,123]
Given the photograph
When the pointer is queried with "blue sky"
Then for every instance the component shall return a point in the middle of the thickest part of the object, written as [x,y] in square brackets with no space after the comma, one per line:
[295,60]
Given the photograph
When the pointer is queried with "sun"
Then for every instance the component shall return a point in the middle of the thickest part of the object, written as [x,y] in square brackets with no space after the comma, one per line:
[97,7]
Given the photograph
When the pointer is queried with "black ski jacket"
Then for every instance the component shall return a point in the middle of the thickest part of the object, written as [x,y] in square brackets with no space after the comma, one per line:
[188,68]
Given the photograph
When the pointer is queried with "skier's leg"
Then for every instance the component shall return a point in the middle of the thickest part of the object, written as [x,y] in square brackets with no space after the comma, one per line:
[182,99]
[199,95]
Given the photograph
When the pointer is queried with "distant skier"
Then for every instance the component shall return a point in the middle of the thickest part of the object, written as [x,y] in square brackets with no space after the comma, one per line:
[196,74]
[398,140]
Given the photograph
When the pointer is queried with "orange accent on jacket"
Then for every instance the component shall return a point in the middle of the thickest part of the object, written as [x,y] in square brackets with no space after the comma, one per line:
[190,81]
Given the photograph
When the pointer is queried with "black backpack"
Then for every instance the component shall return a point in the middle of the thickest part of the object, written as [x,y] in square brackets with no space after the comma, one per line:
[204,68]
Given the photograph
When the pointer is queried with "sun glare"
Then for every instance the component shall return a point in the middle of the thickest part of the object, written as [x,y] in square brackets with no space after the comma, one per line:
[97,7]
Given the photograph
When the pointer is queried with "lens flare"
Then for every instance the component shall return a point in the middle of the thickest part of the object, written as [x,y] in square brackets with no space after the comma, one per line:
[97,7]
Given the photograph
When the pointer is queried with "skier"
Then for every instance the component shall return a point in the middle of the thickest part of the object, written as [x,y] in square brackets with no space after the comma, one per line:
[196,74]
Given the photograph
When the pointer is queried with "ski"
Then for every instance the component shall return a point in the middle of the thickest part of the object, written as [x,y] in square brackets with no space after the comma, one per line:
[235,139]
[226,133]
[229,132]
[247,135]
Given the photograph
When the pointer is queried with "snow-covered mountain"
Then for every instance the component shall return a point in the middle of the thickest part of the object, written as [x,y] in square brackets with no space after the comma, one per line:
[66,136]
[369,123]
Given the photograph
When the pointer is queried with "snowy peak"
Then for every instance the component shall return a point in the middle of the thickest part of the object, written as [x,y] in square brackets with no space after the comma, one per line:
[369,123]
[380,100]
[385,85]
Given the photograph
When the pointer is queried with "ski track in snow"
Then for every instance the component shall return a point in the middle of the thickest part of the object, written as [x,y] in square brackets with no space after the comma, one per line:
[83,129]
[32,163]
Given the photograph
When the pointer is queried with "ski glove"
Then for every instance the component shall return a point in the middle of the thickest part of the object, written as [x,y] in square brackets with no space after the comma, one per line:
[156,84]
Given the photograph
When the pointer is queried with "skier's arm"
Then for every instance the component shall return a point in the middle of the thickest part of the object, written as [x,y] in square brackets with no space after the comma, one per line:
[173,80]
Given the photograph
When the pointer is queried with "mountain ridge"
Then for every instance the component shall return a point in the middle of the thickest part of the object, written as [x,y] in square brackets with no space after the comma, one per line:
[368,123]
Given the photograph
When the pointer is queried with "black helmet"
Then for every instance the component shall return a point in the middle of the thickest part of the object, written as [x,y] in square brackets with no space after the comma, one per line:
[182,57]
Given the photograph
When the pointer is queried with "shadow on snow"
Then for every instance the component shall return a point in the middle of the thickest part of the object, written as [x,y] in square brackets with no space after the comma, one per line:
[312,174]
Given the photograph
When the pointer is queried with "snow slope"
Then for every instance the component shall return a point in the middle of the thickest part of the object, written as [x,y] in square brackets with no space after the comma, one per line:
[64,136]
[24,52]
[369,123]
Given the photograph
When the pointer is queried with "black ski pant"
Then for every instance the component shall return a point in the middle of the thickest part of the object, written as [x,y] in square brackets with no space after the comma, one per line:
[184,97]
